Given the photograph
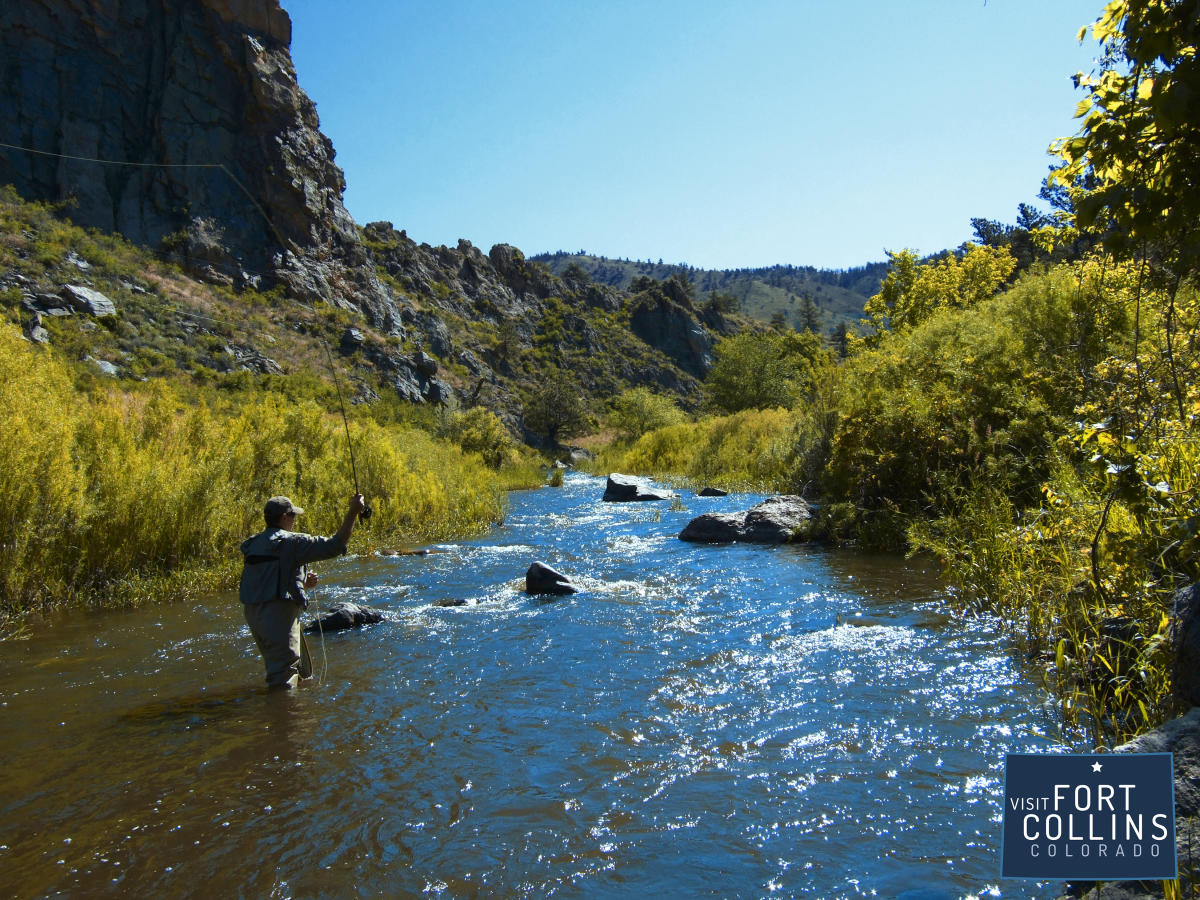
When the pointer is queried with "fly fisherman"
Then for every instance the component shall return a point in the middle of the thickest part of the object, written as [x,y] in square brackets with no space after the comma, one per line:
[274,579]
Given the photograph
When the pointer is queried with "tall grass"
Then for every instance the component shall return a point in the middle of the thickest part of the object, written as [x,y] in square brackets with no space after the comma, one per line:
[1104,650]
[750,450]
[108,498]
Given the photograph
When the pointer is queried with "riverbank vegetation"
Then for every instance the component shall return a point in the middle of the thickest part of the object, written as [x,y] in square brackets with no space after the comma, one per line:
[1038,433]
[1040,442]
[122,492]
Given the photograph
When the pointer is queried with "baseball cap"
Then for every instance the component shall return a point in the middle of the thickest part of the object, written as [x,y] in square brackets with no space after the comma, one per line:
[277,506]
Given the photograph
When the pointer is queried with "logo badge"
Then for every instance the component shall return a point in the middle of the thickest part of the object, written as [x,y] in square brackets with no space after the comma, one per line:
[1104,816]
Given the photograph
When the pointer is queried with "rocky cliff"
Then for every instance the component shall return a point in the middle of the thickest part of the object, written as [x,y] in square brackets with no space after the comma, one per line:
[182,121]
[182,126]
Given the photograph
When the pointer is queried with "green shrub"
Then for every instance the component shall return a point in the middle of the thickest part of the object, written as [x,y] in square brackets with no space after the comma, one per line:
[762,371]
[639,410]
[481,431]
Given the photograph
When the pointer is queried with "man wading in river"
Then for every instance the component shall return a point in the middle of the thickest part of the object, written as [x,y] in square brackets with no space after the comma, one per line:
[272,587]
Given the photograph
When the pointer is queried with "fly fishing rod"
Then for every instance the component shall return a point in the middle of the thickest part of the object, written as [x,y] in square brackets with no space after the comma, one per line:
[366,513]
[305,655]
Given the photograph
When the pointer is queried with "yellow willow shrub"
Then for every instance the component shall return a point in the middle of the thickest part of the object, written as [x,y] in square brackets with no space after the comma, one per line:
[419,488]
[39,482]
[157,495]
[424,488]
[259,462]
[751,449]
[666,451]
[524,473]
[117,496]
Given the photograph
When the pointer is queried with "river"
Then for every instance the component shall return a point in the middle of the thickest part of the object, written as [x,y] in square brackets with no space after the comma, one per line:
[718,721]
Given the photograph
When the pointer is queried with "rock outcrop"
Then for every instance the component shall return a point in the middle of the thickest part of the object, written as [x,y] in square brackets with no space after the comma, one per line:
[675,330]
[774,521]
[90,301]
[504,290]
[206,137]
[1185,641]
[624,489]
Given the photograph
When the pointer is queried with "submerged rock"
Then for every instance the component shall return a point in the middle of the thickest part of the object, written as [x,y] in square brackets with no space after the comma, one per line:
[774,521]
[624,489]
[541,579]
[343,615]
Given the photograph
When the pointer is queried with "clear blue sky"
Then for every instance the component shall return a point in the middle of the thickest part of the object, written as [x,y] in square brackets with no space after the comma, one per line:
[720,134]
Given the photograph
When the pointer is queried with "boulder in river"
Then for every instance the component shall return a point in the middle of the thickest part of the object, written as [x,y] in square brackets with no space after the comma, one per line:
[580,455]
[343,615]
[774,521]
[712,492]
[715,528]
[624,489]
[541,579]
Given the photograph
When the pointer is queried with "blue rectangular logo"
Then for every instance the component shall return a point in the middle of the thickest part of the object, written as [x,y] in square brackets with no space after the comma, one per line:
[1104,816]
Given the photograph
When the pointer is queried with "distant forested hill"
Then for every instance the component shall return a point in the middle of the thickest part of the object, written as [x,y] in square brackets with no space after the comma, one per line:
[764,293]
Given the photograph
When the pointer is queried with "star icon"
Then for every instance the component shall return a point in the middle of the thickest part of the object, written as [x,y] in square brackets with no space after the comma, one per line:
[1096,767]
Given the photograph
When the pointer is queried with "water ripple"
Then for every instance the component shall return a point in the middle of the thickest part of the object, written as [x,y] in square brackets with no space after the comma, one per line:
[698,720]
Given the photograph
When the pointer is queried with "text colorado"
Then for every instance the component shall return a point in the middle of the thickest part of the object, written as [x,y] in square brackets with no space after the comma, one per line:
[1089,821]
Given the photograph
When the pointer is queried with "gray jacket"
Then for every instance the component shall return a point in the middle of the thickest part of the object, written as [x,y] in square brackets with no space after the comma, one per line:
[274,559]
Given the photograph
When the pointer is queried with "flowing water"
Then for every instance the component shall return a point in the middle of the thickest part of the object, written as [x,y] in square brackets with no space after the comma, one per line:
[722,721]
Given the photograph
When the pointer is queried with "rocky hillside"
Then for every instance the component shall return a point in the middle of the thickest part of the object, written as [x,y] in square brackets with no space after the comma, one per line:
[500,323]
[762,294]
[183,128]
[471,329]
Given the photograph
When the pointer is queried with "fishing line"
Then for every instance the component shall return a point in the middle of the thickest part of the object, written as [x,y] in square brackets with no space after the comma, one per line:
[283,245]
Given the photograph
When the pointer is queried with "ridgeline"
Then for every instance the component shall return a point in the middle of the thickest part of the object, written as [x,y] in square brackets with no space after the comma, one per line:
[799,297]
